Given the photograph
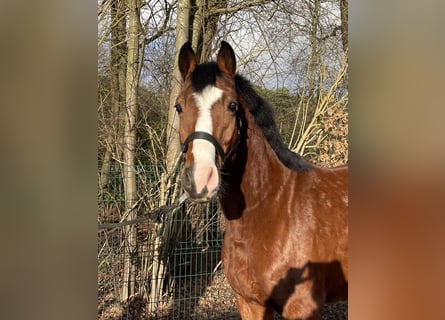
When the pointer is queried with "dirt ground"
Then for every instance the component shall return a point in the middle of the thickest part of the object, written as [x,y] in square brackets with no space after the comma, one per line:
[216,301]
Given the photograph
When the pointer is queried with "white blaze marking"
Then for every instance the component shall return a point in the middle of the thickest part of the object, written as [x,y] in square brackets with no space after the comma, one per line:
[205,172]
[204,151]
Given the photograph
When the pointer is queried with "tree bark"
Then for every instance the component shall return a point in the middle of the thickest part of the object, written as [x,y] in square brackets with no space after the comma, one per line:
[131,89]
[205,27]
[117,90]
[344,24]
[158,266]
[211,19]
[182,36]
[198,27]
[314,58]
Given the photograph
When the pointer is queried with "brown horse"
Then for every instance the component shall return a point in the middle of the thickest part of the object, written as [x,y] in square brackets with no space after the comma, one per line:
[286,237]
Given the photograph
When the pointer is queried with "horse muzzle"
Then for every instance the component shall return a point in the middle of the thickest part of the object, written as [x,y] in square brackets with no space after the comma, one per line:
[200,183]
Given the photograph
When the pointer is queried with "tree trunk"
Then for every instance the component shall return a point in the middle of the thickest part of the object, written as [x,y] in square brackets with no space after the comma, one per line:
[129,148]
[344,24]
[205,27]
[198,27]
[117,91]
[182,36]
[314,58]
[210,27]
[158,266]
[105,172]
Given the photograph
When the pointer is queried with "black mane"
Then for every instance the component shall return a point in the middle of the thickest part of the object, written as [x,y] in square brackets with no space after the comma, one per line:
[264,117]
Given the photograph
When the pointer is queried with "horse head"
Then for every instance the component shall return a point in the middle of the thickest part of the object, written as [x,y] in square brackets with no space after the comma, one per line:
[209,119]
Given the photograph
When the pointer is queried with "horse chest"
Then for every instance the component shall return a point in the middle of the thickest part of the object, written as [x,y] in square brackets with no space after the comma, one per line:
[242,270]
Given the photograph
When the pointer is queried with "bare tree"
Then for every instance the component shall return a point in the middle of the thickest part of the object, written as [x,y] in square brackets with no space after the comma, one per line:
[131,89]
[314,56]
[205,26]
[113,123]
[182,36]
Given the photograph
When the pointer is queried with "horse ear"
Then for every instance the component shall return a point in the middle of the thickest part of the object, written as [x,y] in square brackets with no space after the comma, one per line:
[226,59]
[187,60]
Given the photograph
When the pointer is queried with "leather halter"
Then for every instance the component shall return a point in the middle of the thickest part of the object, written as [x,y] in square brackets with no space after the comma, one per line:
[208,137]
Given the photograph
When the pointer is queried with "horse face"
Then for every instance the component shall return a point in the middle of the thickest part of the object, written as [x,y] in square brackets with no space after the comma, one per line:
[207,104]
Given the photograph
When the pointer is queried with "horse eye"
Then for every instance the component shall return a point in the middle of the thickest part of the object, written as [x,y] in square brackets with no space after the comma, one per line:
[233,106]
[178,108]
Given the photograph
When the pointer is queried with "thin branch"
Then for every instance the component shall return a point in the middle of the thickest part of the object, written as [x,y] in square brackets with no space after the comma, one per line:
[332,34]
[242,6]
[164,28]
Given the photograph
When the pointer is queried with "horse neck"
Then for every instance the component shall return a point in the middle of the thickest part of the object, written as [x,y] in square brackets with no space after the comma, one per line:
[249,181]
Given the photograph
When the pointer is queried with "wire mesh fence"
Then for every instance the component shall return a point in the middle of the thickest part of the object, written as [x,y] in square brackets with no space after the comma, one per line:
[177,261]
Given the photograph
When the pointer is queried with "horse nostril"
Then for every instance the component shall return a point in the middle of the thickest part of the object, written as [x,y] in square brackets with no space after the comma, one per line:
[187,178]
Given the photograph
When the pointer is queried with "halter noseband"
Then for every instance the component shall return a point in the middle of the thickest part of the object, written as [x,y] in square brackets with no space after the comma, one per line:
[206,136]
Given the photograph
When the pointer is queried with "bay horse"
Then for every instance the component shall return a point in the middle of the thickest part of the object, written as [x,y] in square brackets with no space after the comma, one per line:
[286,232]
